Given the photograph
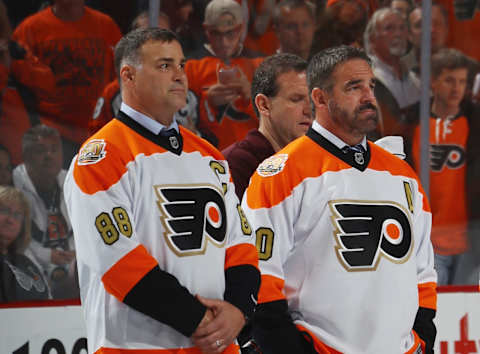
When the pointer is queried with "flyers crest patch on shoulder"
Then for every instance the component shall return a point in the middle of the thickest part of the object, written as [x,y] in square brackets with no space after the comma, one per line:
[92,152]
[273,165]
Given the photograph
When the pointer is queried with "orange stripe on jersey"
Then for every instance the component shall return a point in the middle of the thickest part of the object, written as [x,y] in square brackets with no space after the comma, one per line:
[128,271]
[241,254]
[121,144]
[268,193]
[427,295]
[418,342]
[320,347]
[232,349]
[270,289]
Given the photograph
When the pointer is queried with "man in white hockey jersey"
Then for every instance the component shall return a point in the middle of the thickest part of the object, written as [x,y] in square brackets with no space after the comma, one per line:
[166,257]
[343,230]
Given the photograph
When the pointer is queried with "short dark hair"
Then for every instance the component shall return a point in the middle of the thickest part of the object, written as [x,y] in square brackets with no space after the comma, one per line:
[265,77]
[292,4]
[448,58]
[323,64]
[128,48]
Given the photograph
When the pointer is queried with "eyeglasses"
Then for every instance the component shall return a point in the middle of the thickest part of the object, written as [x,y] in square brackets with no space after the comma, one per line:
[228,34]
[17,215]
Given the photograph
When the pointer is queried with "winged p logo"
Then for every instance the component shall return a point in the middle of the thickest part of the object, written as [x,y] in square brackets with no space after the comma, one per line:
[191,216]
[451,156]
[366,231]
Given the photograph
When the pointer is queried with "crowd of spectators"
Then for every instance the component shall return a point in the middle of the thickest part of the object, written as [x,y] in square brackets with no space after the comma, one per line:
[58,85]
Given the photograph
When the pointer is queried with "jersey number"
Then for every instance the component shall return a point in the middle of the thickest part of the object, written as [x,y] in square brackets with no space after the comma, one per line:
[264,243]
[110,230]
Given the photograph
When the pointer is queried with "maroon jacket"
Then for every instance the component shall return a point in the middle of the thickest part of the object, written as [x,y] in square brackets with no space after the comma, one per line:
[244,156]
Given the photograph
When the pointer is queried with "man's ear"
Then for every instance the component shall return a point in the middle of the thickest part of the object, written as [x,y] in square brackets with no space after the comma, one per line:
[127,74]
[319,97]
[263,104]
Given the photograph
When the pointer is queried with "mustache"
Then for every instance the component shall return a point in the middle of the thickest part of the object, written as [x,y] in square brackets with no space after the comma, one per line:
[366,106]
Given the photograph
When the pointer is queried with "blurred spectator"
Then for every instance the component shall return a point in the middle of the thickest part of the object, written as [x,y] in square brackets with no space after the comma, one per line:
[5,167]
[41,178]
[402,6]
[450,138]
[439,35]
[294,24]
[20,278]
[464,26]
[141,21]
[397,87]
[281,102]
[187,27]
[220,75]
[23,81]
[77,43]
[261,36]
[343,22]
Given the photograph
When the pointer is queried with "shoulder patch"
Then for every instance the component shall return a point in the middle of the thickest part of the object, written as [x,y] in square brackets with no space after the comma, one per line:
[92,152]
[272,165]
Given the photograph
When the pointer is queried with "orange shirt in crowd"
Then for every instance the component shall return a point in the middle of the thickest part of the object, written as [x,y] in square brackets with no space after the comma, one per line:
[448,141]
[233,123]
[463,35]
[80,55]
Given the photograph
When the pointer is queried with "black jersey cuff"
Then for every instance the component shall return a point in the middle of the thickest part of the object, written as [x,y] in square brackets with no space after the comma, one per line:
[241,287]
[275,332]
[159,295]
[425,327]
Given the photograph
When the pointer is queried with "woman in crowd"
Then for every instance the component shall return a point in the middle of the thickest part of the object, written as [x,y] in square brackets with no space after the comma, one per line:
[20,278]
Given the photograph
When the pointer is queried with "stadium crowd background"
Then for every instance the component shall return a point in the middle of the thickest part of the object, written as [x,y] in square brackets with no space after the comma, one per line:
[58,86]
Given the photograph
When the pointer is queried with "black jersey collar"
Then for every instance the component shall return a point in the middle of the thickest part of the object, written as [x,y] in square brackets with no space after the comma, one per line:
[357,160]
[173,143]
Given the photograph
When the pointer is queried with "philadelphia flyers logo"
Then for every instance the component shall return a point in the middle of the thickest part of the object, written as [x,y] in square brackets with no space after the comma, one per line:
[451,156]
[366,231]
[191,216]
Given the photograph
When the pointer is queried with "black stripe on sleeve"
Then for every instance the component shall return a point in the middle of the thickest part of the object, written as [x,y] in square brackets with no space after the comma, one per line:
[425,327]
[159,295]
[275,332]
[241,287]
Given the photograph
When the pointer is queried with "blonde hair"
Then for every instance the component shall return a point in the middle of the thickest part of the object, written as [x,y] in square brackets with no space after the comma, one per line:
[9,195]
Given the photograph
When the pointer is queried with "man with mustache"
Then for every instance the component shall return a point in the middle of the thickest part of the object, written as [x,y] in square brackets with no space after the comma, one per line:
[165,254]
[342,228]
[397,88]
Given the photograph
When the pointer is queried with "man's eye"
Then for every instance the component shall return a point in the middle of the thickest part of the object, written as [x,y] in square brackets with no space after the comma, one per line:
[164,66]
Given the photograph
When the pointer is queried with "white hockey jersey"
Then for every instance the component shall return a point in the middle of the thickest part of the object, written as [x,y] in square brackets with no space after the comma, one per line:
[344,238]
[136,204]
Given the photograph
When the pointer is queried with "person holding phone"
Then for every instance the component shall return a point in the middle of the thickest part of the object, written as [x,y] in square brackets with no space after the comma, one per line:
[221,72]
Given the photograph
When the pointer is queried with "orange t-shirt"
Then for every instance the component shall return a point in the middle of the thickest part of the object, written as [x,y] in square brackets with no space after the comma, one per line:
[448,141]
[80,55]
[463,35]
[233,123]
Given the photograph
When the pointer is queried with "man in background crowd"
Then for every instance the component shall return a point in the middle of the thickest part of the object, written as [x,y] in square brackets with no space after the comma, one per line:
[220,75]
[294,24]
[40,178]
[76,42]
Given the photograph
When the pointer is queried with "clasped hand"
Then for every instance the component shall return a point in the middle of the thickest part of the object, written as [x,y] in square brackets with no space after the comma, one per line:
[219,327]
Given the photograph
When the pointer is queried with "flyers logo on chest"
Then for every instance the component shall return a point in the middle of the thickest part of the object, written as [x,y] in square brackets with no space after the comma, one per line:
[449,156]
[191,216]
[367,231]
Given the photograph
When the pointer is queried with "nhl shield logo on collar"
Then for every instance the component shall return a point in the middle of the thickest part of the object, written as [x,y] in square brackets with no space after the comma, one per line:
[359,158]
[173,142]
